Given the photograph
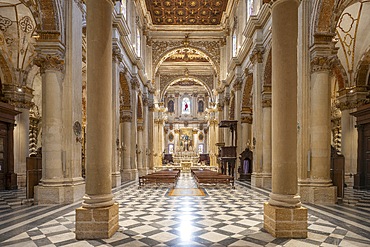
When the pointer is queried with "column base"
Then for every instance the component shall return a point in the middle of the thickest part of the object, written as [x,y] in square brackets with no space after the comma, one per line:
[318,194]
[96,223]
[128,174]
[285,222]
[21,180]
[59,194]
[261,180]
[143,172]
[116,180]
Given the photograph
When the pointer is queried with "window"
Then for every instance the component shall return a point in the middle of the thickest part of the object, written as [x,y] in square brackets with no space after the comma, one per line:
[249,8]
[185,106]
[138,42]
[171,106]
[124,7]
[234,43]
[200,106]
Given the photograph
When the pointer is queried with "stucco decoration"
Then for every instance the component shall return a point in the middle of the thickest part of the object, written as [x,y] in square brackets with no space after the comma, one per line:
[164,49]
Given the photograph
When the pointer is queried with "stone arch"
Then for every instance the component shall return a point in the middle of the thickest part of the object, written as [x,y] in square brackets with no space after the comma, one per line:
[363,68]
[339,73]
[125,93]
[140,115]
[267,75]
[201,51]
[7,76]
[327,13]
[247,91]
[163,92]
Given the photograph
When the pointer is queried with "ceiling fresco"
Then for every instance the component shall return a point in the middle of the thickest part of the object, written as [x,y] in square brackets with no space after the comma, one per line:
[186,12]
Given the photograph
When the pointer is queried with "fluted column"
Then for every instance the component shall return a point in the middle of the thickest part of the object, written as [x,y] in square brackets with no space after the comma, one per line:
[98,199]
[266,140]
[21,145]
[257,128]
[139,150]
[283,215]
[116,59]
[125,126]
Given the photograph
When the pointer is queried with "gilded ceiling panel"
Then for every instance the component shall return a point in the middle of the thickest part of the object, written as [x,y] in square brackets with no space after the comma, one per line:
[186,12]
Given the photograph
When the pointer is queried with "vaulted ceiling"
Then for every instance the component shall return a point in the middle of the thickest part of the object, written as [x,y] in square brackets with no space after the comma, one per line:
[186,12]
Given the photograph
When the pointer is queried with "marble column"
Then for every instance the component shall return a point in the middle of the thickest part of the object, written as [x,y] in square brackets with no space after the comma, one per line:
[246,123]
[150,140]
[21,145]
[116,59]
[349,143]
[318,188]
[51,67]
[195,140]
[139,150]
[284,217]
[238,116]
[266,140]
[125,125]
[98,216]
[257,126]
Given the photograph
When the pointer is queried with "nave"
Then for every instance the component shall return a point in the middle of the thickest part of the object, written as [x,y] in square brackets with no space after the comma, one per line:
[149,216]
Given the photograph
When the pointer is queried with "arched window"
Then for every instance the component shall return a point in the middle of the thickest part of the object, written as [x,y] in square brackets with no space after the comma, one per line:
[201,106]
[234,43]
[171,106]
[249,8]
[185,106]
[124,7]
[138,42]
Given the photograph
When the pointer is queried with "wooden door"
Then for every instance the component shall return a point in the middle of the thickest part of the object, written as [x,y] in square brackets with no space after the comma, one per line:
[3,155]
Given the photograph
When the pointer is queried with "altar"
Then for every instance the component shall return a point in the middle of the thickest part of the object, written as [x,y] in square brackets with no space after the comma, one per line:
[186,159]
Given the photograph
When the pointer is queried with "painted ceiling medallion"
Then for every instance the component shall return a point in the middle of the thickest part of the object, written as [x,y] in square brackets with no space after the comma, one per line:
[185,12]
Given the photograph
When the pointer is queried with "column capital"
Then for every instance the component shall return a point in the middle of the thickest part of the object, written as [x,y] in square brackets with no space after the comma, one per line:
[247,119]
[134,83]
[125,117]
[266,103]
[116,54]
[238,84]
[257,55]
[320,63]
[49,62]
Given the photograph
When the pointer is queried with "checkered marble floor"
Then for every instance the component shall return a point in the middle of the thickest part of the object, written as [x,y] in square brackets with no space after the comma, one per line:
[225,217]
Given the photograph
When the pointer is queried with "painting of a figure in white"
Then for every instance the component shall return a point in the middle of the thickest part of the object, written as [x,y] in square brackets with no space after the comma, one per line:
[185,106]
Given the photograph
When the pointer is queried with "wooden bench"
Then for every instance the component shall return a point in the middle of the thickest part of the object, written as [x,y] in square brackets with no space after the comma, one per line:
[211,177]
[160,177]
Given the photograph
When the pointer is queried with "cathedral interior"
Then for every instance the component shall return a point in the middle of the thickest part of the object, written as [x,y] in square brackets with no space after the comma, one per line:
[184,123]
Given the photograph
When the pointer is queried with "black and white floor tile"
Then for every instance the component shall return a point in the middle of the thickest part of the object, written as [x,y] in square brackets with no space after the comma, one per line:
[149,217]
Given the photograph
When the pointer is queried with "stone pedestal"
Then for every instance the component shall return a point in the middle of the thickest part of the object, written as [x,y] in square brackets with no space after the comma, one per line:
[283,222]
[96,223]
[261,180]
[318,195]
[59,194]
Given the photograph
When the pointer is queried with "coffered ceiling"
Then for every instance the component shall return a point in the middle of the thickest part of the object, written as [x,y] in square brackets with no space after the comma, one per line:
[186,12]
